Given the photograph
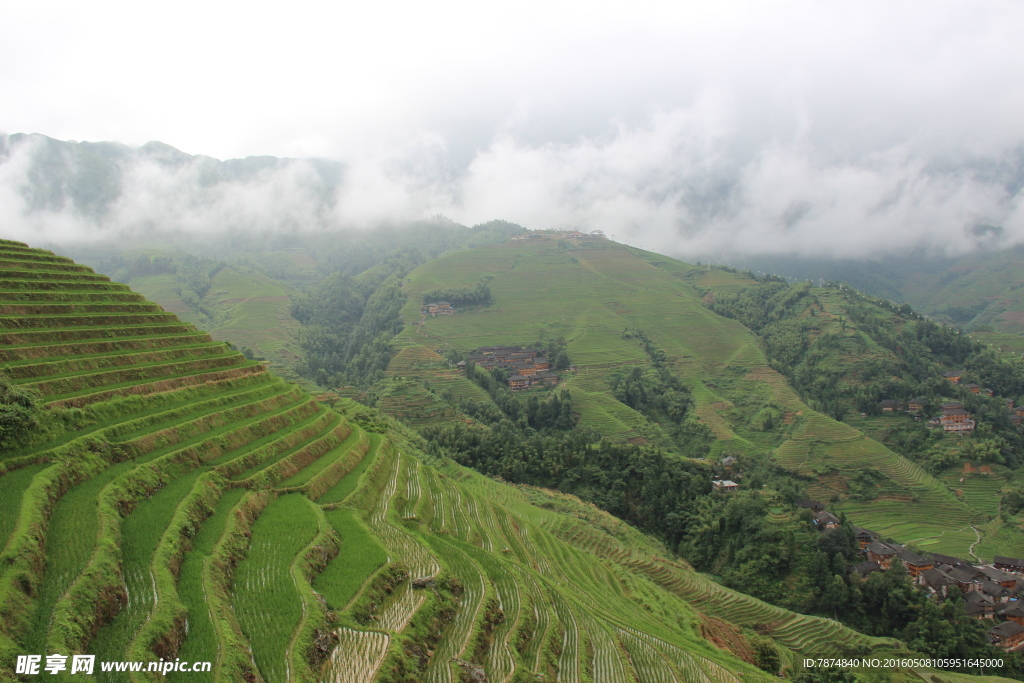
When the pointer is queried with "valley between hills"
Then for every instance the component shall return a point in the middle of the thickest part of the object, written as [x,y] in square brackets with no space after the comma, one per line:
[342,503]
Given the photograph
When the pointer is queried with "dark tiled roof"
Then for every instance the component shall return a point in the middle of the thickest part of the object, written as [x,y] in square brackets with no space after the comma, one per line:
[936,577]
[880,548]
[962,575]
[994,589]
[1006,629]
[911,557]
[996,575]
[1013,609]
[947,559]
[865,568]
[825,517]
[972,608]
[1009,561]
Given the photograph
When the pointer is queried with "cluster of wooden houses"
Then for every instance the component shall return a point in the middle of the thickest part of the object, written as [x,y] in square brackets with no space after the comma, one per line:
[953,416]
[955,376]
[526,367]
[990,591]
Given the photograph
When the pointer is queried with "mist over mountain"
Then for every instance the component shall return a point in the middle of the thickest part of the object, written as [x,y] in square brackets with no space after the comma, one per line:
[671,185]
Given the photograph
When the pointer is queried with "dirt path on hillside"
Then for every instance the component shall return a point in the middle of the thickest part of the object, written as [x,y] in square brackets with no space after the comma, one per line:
[970,551]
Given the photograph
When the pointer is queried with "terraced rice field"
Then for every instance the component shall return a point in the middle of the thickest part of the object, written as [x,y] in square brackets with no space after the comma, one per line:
[193,505]
[266,601]
[144,414]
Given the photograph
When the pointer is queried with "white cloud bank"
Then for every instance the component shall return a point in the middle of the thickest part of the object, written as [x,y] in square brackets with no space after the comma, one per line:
[675,184]
[848,128]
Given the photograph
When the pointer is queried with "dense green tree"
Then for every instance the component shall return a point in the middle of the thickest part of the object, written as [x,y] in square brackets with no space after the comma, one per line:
[18,416]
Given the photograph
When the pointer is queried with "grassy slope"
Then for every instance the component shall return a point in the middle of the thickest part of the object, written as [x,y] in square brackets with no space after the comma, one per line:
[590,294]
[251,310]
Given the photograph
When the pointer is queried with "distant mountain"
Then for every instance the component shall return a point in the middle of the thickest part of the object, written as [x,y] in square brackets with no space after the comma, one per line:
[89,177]
[980,289]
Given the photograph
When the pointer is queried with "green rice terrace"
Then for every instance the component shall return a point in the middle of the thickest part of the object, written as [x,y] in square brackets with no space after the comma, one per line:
[180,501]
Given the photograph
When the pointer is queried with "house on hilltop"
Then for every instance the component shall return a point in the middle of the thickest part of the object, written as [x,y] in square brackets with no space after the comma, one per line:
[438,308]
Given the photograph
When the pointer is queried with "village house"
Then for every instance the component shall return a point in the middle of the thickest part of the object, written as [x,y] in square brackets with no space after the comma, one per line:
[953,376]
[729,462]
[438,308]
[889,405]
[947,561]
[1014,611]
[914,563]
[967,578]
[826,520]
[812,505]
[973,388]
[864,537]
[998,593]
[956,418]
[1006,635]
[916,405]
[881,552]
[518,382]
[935,580]
[1008,564]
[999,576]
[863,569]
[979,606]
[725,485]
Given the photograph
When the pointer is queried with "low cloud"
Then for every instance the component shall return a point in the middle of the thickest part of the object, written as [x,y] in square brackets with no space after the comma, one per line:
[686,181]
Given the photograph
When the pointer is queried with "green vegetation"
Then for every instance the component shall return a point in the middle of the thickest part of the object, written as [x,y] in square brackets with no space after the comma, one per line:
[201,643]
[361,555]
[167,506]
[266,600]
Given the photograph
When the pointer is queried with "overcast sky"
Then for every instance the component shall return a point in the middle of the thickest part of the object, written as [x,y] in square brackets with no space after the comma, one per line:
[818,127]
